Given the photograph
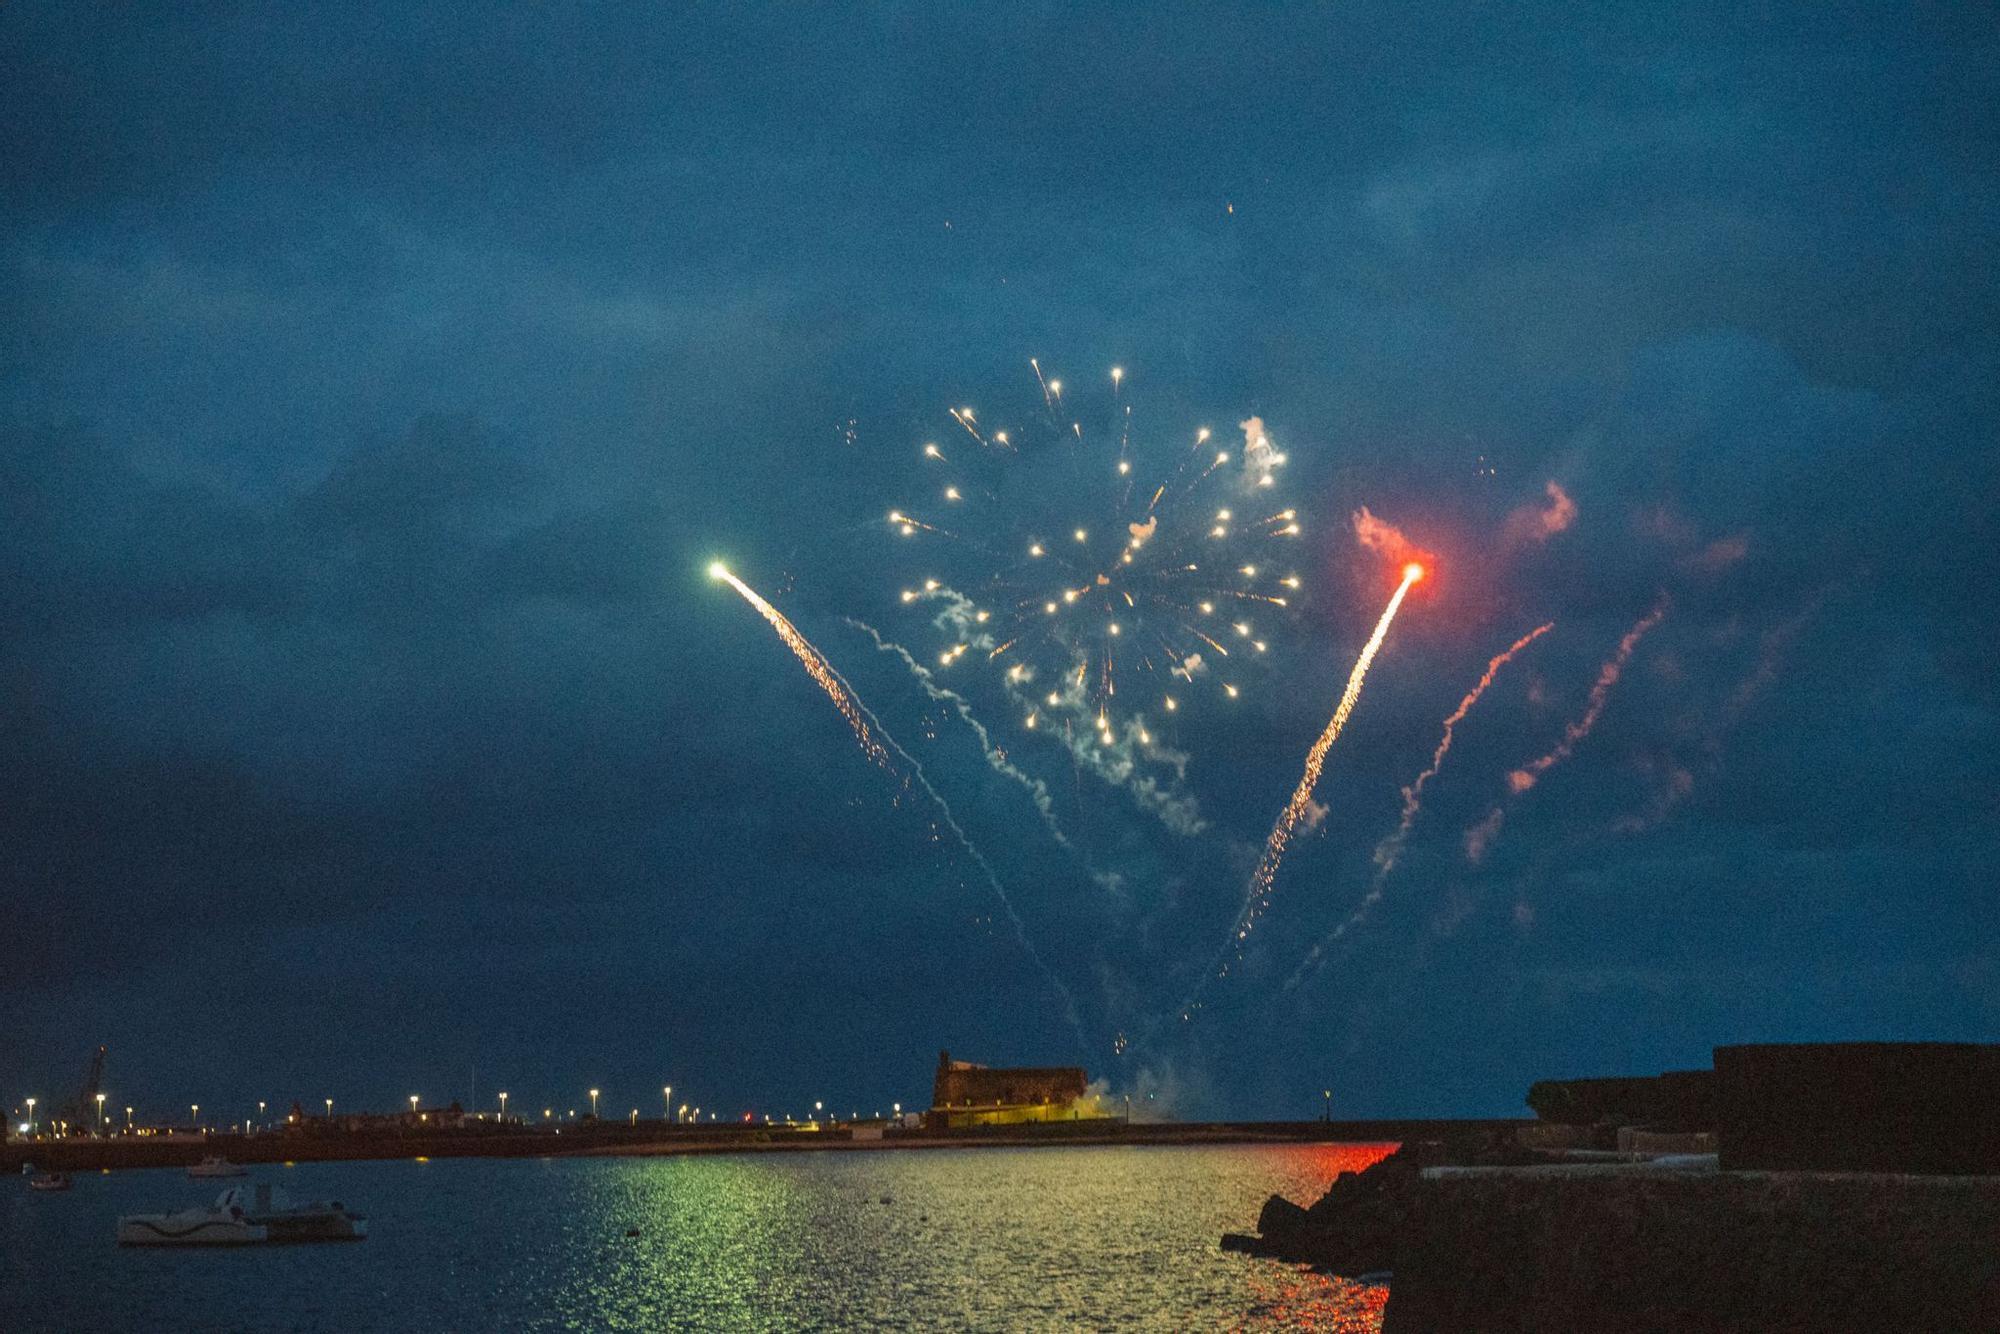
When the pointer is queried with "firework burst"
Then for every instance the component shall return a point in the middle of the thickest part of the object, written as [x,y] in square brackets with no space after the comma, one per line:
[1105,575]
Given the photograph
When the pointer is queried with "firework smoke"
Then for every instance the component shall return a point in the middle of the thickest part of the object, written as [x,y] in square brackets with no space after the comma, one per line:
[1534,525]
[992,881]
[1391,847]
[1107,750]
[1383,537]
[1480,836]
[996,758]
[1296,809]
[1772,648]
[1528,774]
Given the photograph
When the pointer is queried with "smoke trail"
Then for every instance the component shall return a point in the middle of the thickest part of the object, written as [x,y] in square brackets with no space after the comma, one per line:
[1528,774]
[1480,836]
[877,743]
[1772,648]
[1391,847]
[1037,790]
[1113,759]
[992,880]
[1259,896]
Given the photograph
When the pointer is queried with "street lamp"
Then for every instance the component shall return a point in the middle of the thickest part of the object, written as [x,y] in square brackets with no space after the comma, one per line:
[667,1097]
[503,1107]
[31,1118]
[128,1120]
[260,1113]
[593,1104]
[1327,1114]
[100,1113]
[194,1114]
[413,1104]
[635,1116]
[329,1109]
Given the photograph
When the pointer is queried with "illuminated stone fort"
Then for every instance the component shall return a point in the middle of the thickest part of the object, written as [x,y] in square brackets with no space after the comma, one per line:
[965,1094]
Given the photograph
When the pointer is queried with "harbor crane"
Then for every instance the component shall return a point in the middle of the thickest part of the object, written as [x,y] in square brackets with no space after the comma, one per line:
[81,1112]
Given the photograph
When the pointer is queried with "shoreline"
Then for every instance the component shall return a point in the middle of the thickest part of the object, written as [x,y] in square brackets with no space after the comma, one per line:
[617,1140]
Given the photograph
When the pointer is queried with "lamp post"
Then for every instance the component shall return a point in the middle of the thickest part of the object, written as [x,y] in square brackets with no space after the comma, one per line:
[593,1104]
[1326,1115]
[100,1113]
[413,1104]
[329,1109]
[194,1115]
[31,1118]
[635,1116]
[503,1108]
[667,1097]
[128,1120]
[260,1113]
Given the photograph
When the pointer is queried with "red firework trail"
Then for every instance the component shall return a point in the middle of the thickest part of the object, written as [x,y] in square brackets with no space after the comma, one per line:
[1480,836]
[1391,847]
[1526,776]
[1295,810]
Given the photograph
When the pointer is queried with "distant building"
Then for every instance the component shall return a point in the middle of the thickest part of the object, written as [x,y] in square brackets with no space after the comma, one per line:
[965,1094]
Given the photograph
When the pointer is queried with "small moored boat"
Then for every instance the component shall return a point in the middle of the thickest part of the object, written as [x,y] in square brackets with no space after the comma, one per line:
[286,1221]
[216,1167]
[223,1223]
[49,1181]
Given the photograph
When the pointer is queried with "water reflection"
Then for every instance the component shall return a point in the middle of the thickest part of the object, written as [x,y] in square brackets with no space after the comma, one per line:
[910,1239]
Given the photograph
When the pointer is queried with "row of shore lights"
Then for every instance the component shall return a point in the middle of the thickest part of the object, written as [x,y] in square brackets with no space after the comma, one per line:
[666,1095]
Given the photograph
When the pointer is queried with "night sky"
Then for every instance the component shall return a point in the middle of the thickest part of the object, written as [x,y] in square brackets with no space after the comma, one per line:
[376,386]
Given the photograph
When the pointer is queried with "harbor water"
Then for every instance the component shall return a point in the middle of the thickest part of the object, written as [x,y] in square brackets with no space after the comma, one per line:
[1040,1238]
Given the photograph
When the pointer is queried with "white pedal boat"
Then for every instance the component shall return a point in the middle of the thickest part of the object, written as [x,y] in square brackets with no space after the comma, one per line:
[223,1223]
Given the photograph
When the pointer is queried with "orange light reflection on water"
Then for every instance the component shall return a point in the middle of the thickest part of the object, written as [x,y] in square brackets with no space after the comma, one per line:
[1287,1296]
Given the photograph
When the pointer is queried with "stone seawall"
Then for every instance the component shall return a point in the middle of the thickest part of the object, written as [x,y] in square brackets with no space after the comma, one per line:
[1605,1253]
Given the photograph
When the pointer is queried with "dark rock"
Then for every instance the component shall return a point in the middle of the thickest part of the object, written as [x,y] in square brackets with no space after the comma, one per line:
[1355,1226]
[1280,1217]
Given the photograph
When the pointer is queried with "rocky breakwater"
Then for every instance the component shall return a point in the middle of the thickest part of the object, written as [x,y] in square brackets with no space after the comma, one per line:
[1614,1244]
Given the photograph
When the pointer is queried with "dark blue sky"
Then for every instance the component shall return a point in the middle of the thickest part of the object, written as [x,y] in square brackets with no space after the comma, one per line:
[375,387]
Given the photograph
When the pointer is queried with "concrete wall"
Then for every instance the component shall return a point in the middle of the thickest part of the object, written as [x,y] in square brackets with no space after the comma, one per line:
[1609,1253]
